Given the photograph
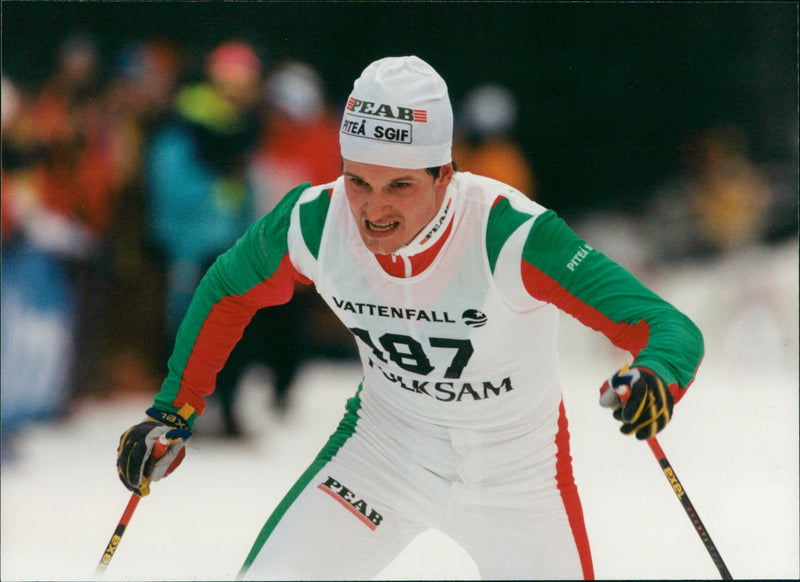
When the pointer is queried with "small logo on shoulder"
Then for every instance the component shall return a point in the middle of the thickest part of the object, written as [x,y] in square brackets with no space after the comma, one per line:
[582,253]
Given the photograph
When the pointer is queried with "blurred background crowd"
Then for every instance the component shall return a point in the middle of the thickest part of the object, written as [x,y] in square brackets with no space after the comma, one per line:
[130,162]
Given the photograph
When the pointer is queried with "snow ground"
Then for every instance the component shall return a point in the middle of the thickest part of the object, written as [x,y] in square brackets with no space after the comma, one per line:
[733,443]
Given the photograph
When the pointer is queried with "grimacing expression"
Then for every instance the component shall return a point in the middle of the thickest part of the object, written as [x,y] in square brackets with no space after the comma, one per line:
[392,205]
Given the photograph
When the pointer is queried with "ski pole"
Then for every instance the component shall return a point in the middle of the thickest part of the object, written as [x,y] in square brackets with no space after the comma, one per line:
[159,450]
[680,492]
[623,393]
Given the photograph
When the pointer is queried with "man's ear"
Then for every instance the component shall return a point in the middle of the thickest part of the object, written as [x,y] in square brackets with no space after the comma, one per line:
[445,175]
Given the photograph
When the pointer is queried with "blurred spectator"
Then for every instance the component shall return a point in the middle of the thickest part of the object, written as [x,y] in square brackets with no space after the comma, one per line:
[67,122]
[11,98]
[719,202]
[300,142]
[38,298]
[137,102]
[71,183]
[301,137]
[485,143]
[140,97]
[199,197]
[74,83]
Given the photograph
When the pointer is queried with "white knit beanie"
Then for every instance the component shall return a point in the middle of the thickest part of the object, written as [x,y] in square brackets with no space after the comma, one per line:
[398,115]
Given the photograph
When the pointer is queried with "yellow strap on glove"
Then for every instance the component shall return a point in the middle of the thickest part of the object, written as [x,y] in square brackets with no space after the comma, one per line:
[640,399]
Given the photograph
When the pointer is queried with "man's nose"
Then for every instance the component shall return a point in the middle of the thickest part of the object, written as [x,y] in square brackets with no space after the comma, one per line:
[376,205]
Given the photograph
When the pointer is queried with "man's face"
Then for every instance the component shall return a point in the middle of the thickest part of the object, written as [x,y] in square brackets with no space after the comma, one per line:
[392,205]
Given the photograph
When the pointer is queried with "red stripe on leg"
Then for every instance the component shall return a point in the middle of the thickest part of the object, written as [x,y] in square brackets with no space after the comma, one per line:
[569,495]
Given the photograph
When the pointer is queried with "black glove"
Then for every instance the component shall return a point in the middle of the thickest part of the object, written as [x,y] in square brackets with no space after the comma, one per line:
[137,464]
[640,399]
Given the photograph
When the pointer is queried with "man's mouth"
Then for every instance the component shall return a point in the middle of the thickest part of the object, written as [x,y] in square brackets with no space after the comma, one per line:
[381,227]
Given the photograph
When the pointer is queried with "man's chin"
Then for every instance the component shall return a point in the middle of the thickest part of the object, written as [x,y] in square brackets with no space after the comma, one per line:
[381,246]
[383,249]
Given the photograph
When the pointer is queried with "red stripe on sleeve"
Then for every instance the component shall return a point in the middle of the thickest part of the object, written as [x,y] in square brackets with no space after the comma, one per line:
[630,337]
[223,328]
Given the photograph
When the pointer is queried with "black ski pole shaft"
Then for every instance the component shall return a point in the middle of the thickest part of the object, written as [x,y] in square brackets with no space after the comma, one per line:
[680,493]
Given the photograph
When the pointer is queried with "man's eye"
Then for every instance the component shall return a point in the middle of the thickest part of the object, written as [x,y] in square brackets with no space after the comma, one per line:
[402,184]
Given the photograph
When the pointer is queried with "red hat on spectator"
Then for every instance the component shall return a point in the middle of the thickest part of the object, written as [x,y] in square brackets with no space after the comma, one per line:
[233,62]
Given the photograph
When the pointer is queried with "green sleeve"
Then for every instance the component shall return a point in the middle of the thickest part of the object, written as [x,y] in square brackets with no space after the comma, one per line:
[562,269]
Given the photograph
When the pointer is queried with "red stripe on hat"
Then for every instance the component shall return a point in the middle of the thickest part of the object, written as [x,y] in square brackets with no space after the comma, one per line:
[421,115]
[351,102]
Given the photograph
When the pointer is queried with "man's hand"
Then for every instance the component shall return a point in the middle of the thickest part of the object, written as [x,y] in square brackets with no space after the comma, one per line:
[640,399]
[136,464]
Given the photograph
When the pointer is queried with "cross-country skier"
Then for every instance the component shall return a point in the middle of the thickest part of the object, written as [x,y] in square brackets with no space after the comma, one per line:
[451,284]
